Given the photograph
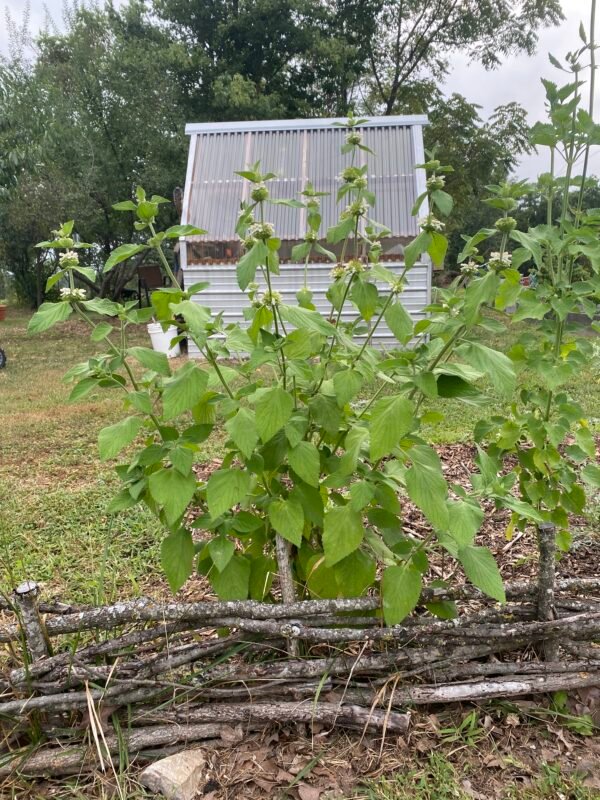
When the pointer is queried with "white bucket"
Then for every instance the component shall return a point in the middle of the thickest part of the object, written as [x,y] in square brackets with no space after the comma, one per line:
[162,339]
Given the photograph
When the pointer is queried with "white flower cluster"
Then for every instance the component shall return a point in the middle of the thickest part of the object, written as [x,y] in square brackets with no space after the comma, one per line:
[272,298]
[354,267]
[356,209]
[66,293]
[355,138]
[68,259]
[338,272]
[500,261]
[261,230]
[431,223]
[436,182]
[470,268]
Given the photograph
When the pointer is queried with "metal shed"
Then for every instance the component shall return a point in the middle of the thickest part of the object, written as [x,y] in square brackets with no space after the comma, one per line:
[297,151]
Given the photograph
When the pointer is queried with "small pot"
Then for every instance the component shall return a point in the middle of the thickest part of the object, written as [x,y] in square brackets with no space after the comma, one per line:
[2,312]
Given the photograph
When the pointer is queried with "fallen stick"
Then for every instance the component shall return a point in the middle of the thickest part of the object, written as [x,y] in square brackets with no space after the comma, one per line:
[474,691]
[72,760]
[335,714]
[145,610]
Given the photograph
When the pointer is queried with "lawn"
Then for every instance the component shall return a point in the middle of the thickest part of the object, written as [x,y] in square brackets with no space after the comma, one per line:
[54,528]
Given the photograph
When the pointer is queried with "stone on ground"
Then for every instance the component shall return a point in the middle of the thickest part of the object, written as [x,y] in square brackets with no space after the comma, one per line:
[176,777]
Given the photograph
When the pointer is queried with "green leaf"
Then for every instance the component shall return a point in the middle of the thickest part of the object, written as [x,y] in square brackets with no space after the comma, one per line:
[481,569]
[438,248]
[262,571]
[125,205]
[47,315]
[325,412]
[427,487]
[399,321]
[102,305]
[479,291]
[195,315]
[465,519]
[420,244]
[89,272]
[120,502]
[273,409]
[591,475]
[443,201]
[177,558]
[82,388]
[287,518]
[361,494]
[401,589]
[113,439]
[221,551]
[343,533]
[338,232]
[365,296]
[183,390]
[321,580]
[233,583]
[101,331]
[442,609]
[173,491]
[175,231]
[391,419]
[182,458]
[226,488]
[248,263]
[141,401]
[122,253]
[306,319]
[242,429]
[54,279]
[157,362]
[354,441]
[451,385]
[496,365]
[347,384]
[523,509]
[355,574]
[304,460]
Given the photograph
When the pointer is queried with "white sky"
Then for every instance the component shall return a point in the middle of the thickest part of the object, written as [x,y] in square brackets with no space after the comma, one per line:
[518,79]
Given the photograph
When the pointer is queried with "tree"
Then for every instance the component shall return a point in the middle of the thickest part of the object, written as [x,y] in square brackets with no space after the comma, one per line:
[108,116]
[482,153]
[416,38]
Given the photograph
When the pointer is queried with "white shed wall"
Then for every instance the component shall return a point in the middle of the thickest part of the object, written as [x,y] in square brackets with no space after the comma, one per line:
[223,294]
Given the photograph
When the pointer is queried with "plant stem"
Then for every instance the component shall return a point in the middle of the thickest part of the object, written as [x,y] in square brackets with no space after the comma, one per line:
[163,258]
[120,353]
[211,358]
[388,300]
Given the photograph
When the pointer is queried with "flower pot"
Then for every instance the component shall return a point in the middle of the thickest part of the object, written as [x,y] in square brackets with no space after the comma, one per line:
[162,339]
[2,313]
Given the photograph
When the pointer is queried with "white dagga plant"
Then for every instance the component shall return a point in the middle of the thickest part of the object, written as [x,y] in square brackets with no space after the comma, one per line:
[325,430]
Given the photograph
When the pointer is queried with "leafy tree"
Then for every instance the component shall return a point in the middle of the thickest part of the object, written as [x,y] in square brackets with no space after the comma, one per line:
[482,153]
[83,146]
[417,37]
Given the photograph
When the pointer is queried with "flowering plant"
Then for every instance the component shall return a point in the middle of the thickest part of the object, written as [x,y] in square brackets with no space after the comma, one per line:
[324,432]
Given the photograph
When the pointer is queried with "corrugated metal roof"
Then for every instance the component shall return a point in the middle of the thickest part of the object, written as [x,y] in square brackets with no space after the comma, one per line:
[298,151]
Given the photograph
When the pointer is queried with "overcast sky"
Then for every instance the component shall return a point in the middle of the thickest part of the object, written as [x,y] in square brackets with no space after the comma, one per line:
[518,79]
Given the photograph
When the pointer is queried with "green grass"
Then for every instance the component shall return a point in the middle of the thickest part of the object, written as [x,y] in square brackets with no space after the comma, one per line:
[438,779]
[53,488]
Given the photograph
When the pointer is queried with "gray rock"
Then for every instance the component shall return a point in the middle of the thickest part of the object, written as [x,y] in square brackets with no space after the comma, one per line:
[176,777]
